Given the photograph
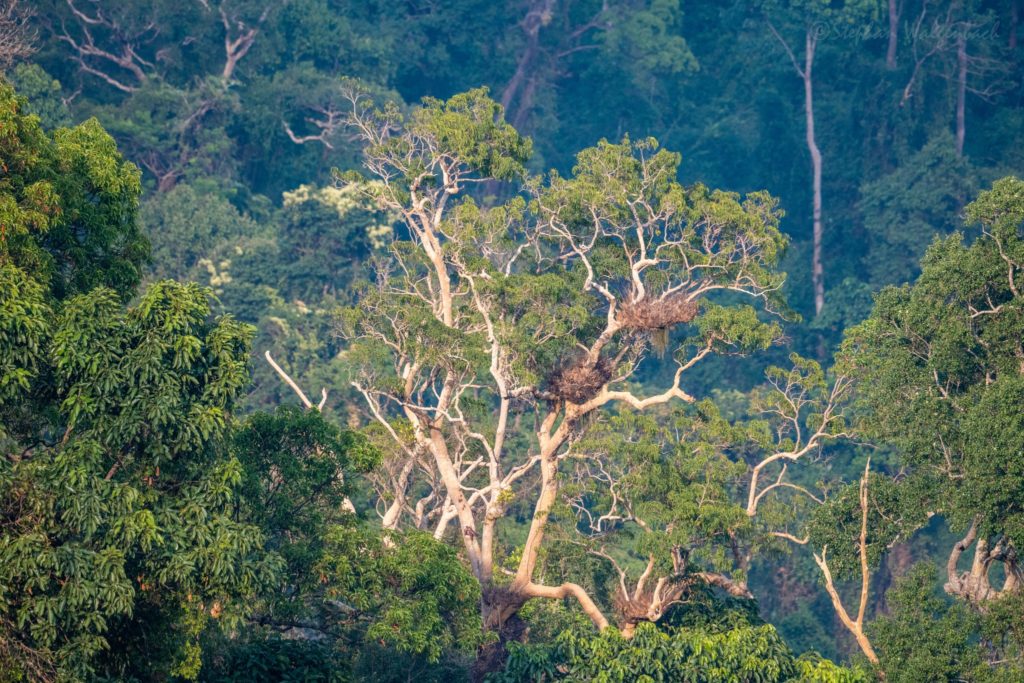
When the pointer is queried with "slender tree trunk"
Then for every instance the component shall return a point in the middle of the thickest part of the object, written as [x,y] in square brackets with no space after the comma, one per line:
[393,514]
[961,91]
[531,24]
[805,73]
[817,269]
[894,34]
[1014,24]
[854,625]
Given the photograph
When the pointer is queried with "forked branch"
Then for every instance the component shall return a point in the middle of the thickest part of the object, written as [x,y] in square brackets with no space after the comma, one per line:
[854,625]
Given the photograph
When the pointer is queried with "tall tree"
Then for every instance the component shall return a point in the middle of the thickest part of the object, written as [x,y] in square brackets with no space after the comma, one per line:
[116,484]
[805,72]
[940,367]
[811,21]
[488,321]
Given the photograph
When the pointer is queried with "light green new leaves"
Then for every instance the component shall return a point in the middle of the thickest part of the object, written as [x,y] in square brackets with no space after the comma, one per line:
[68,204]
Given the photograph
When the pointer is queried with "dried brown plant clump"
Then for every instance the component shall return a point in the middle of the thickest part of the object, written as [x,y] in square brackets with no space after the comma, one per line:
[632,609]
[656,315]
[579,381]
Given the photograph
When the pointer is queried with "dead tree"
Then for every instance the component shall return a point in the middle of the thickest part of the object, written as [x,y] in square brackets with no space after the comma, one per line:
[106,48]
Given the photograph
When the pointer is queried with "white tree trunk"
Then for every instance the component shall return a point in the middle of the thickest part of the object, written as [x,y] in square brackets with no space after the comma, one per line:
[961,92]
[817,269]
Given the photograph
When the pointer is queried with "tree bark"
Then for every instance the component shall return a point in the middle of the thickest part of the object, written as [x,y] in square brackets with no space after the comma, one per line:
[894,34]
[854,625]
[961,91]
[817,269]
[1014,24]
[531,25]
[805,73]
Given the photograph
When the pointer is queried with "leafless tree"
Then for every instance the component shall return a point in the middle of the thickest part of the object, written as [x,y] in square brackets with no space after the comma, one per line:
[239,33]
[105,47]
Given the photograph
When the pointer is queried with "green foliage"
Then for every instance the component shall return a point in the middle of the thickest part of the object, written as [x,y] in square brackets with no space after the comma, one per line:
[68,204]
[706,228]
[24,332]
[325,236]
[707,78]
[194,234]
[905,209]
[292,460]
[404,593]
[892,517]
[417,597]
[117,489]
[748,653]
[925,637]
[275,660]
[735,329]
[297,473]
[42,93]
[676,482]
[939,363]
[471,127]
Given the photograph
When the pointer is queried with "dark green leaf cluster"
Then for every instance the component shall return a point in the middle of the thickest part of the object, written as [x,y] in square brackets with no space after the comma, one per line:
[940,367]
[116,484]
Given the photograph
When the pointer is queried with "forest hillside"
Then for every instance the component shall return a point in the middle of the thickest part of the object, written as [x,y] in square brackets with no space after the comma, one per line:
[510,341]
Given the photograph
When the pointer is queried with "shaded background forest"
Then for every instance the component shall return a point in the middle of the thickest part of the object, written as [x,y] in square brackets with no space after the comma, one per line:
[208,99]
[233,110]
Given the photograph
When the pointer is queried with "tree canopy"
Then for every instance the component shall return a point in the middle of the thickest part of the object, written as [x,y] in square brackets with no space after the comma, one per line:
[529,340]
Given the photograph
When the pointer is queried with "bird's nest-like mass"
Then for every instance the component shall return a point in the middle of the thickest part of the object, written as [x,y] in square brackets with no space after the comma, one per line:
[656,315]
[579,381]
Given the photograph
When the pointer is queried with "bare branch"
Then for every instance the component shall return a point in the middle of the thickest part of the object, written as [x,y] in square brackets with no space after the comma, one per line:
[855,626]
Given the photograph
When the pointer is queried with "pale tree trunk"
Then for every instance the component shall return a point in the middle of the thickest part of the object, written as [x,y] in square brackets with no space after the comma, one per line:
[465,461]
[1014,23]
[805,72]
[854,625]
[961,91]
[974,585]
[817,269]
[500,605]
[522,584]
[894,34]
[393,514]
[236,48]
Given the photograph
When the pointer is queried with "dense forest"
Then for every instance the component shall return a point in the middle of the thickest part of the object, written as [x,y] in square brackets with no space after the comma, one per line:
[509,341]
